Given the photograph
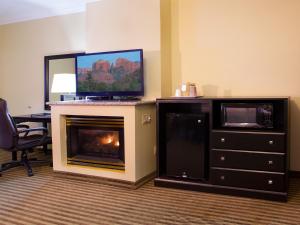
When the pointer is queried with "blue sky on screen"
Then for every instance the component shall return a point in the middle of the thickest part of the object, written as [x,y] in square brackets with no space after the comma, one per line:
[87,61]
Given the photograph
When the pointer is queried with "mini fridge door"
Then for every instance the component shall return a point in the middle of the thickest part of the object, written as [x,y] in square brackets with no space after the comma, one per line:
[186,145]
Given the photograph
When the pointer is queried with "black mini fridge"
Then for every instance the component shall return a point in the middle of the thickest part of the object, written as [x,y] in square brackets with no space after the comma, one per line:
[186,145]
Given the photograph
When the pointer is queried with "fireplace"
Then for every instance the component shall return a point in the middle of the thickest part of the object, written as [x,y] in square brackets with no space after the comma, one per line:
[96,141]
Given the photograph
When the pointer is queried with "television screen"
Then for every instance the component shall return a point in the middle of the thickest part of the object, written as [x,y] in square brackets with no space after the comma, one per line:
[118,73]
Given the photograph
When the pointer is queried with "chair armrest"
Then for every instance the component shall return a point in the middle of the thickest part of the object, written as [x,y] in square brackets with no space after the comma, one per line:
[23,126]
[44,136]
[45,130]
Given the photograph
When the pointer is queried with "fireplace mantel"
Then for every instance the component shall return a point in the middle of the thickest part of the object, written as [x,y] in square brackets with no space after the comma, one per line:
[103,103]
[139,137]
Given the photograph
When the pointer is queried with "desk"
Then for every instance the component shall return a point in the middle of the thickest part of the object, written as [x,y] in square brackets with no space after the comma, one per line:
[43,118]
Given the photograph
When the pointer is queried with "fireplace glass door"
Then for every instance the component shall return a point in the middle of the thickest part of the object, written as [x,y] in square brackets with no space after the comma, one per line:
[96,141]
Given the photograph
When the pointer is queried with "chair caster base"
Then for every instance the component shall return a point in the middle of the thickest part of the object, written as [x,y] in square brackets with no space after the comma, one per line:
[30,173]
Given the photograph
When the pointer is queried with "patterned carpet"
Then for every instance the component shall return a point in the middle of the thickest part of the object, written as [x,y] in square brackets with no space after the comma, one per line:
[48,199]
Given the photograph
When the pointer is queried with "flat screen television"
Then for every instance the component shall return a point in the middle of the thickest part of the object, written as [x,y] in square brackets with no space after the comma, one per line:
[108,74]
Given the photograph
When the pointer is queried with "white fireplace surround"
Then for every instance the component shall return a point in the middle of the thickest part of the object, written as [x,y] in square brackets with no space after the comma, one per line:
[139,137]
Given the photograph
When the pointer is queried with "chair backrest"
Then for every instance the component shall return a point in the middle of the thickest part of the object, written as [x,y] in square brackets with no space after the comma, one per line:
[8,130]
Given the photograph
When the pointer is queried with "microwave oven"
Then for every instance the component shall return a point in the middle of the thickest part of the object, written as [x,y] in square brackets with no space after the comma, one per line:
[247,115]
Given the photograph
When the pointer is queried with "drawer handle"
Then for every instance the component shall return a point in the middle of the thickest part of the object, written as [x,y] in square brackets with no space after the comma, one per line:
[270,182]
[271,142]
[222,158]
[222,177]
[222,139]
[270,162]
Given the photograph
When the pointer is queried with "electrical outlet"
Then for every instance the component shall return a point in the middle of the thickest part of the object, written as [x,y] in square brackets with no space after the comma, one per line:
[146,118]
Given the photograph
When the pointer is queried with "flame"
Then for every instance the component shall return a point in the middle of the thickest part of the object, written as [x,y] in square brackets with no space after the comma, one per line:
[106,140]
[109,139]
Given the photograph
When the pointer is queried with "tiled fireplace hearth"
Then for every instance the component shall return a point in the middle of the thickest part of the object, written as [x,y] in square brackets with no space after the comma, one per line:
[114,140]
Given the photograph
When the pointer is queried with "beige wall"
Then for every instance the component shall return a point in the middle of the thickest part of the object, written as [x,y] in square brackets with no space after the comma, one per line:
[128,24]
[23,47]
[238,47]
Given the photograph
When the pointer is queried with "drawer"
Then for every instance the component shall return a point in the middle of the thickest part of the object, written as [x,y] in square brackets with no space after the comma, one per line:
[266,142]
[251,180]
[248,160]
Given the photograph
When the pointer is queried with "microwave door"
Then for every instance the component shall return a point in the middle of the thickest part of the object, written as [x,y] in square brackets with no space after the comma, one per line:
[240,117]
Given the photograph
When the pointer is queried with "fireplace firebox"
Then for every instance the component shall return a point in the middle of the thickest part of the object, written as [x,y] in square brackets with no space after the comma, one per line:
[96,141]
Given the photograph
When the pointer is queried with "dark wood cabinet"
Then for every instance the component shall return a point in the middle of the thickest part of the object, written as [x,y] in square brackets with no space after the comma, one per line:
[248,179]
[248,160]
[186,144]
[183,139]
[251,141]
[240,161]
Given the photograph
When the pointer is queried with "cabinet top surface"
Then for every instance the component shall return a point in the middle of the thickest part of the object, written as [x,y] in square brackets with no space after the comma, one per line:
[224,98]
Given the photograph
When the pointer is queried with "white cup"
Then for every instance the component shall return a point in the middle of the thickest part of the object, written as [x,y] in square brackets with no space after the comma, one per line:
[177,92]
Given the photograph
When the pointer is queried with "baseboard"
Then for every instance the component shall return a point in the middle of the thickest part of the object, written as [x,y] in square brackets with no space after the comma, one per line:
[106,181]
[294,174]
[145,179]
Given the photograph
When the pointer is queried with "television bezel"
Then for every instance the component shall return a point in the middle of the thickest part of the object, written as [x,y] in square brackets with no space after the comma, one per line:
[113,93]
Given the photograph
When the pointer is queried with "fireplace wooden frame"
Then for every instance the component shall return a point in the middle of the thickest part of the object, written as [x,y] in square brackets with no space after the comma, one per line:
[139,137]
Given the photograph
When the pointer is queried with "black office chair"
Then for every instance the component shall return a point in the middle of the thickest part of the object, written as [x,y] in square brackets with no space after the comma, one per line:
[13,139]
